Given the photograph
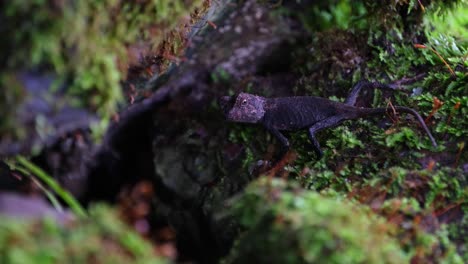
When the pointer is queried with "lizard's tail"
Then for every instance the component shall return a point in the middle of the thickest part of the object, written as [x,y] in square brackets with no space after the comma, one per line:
[382,110]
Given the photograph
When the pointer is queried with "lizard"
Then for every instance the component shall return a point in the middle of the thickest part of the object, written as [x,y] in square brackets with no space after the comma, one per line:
[304,112]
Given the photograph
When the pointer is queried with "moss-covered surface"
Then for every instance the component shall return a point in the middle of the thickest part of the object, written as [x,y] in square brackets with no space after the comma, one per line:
[283,223]
[86,49]
[388,164]
[101,238]
[381,193]
[286,224]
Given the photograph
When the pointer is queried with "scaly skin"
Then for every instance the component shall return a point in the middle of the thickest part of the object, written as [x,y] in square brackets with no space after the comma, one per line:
[304,112]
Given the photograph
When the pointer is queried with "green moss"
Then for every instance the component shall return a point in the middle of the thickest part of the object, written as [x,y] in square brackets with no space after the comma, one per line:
[433,190]
[459,232]
[101,238]
[255,142]
[86,45]
[284,224]
[339,58]
[415,201]
[332,14]
[381,165]
[438,81]
[9,100]
[404,15]
[453,20]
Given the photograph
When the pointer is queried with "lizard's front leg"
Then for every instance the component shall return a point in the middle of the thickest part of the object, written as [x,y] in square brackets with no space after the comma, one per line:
[282,139]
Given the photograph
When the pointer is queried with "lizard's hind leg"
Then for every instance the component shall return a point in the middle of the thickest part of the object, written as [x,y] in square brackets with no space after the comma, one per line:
[353,95]
[326,123]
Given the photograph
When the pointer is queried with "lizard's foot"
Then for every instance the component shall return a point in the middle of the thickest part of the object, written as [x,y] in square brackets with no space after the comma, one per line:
[260,167]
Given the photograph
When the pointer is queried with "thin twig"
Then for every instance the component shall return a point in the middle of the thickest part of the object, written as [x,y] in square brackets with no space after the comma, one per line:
[421,46]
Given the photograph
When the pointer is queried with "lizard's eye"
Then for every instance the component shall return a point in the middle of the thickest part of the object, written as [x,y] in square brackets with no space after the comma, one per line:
[244,102]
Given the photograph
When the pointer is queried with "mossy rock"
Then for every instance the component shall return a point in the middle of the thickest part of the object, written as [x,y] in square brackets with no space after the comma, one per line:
[101,238]
[285,224]
[78,54]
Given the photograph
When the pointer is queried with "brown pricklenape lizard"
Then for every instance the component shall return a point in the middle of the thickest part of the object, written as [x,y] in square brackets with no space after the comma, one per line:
[304,112]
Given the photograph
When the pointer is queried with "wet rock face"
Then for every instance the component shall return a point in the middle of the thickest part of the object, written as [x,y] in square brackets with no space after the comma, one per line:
[196,167]
[179,139]
[189,132]
[247,35]
[42,117]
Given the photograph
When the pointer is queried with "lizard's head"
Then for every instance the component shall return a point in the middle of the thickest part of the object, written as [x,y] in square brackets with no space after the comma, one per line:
[245,108]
